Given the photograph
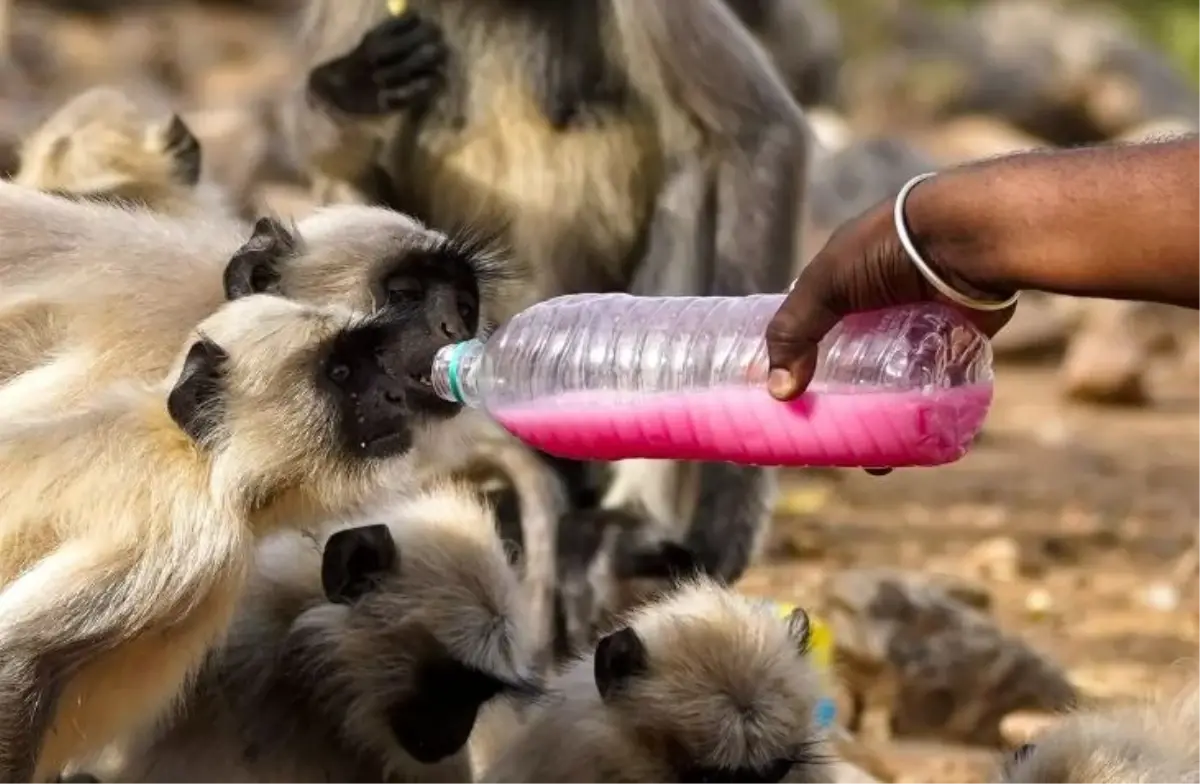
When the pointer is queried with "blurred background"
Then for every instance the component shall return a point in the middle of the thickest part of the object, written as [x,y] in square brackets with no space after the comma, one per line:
[1058,561]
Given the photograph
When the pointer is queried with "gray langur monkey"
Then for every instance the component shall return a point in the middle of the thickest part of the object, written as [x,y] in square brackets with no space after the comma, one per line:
[647,146]
[127,525]
[703,685]
[365,659]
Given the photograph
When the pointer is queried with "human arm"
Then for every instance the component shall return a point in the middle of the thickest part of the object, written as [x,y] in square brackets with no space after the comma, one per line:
[1118,222]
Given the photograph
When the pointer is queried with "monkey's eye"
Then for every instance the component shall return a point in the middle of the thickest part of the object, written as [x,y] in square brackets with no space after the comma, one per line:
[401,288]
[339,373]
[467,307]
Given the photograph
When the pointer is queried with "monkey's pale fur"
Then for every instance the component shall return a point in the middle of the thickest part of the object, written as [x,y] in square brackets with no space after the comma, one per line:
[307,684]
[1151,742]
[104,144]
[727,685]
[94,293]
[123,544]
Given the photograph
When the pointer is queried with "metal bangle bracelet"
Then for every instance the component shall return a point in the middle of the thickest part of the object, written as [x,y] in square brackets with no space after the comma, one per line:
[923,267]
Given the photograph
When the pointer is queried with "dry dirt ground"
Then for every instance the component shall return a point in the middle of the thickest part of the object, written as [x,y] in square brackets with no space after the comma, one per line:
[1101,502]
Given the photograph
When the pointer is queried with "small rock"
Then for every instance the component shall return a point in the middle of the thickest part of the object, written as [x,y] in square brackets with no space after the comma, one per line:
[1109,358]
[998,558]
[1161,596]
[972,137]
[1039,603]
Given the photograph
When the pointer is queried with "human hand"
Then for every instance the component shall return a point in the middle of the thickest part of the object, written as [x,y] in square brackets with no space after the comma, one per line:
[862,267]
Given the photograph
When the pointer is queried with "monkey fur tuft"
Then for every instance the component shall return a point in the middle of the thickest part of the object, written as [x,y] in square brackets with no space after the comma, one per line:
[1144,743]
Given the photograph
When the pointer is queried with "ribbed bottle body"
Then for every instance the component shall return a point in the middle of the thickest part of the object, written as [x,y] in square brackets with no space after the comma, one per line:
[614,376]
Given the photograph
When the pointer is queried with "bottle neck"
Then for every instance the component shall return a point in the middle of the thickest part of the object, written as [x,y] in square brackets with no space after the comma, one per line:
[454,372]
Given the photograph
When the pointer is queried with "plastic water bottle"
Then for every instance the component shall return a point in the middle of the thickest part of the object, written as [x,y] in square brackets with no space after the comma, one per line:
[615,376]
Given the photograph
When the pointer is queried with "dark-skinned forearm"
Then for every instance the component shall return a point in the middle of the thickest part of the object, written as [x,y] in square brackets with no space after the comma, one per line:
[1119,222]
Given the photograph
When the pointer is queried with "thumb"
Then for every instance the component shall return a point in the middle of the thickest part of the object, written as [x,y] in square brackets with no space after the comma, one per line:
[789,381]
[793,339]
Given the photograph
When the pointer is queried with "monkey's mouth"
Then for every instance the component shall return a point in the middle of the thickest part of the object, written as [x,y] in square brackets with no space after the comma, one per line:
[425,399]
[385,445]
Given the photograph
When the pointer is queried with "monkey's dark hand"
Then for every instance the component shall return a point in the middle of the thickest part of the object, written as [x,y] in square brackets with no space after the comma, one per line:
[398,63]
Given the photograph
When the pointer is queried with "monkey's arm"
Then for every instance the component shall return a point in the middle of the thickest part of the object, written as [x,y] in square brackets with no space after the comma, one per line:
[755,134]
[332,145]
[77,605]
[349,103]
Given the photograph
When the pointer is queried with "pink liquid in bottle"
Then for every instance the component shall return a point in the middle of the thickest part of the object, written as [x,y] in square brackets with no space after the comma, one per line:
[614,377]
[746,425]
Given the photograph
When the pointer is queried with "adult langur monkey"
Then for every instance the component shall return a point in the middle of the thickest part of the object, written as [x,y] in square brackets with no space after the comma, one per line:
[647,146]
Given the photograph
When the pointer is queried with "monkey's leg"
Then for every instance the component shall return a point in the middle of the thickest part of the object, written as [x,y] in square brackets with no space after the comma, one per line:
[70,608]
[730,515]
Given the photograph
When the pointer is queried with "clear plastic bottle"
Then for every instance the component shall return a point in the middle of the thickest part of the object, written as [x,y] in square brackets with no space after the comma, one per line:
[614,376]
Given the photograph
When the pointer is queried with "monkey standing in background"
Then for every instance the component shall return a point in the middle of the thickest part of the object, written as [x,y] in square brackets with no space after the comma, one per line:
[646,146]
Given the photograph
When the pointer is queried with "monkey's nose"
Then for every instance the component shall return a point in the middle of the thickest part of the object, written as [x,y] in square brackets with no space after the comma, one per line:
[454,330]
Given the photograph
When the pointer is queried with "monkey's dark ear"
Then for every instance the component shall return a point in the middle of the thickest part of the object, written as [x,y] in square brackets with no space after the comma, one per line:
[353,561]
[196,401]
[800,629]
[184,148]
[254,267]
[662,560]
[619,656]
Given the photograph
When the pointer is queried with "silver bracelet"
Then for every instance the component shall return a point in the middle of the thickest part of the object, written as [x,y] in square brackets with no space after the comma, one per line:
[923,267]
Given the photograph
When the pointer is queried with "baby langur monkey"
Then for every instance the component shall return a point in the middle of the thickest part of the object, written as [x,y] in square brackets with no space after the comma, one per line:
[367,663]
[704,685]
[1147,743]
[127,526]
[104,145]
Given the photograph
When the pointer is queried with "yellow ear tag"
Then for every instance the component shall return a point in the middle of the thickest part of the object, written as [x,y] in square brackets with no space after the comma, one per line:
[820,640]
[397,7]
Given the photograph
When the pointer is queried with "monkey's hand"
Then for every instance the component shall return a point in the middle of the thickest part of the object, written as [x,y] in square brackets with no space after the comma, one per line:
[398,63]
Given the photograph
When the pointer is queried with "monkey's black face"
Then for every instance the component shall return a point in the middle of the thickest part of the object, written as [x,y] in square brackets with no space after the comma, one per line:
[436,720]
[432,298]
[378,376]
[437,288]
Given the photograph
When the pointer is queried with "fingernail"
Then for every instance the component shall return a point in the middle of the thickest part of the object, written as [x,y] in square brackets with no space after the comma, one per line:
[780,383]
